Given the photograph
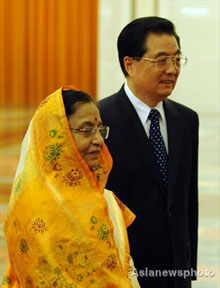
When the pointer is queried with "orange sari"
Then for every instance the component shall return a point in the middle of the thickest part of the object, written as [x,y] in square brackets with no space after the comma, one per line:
[61,227]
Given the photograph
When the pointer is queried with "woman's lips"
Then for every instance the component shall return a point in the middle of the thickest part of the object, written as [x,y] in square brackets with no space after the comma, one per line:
[94,153]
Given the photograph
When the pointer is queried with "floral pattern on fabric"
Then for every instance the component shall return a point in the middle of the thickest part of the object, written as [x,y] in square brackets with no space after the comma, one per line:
[17,225]
[60,248]
[24,247]
[72,178]
[52,152]
[73,260]
[99,173]
[100,176]
[103,232]
[111,262]
[59,282]
[53,133]
[49,274]
[29,282]
[93,221]
[39,226]
[44,266]
[57,167]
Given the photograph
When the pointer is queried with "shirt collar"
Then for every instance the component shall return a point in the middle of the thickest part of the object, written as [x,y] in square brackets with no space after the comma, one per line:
[143,109]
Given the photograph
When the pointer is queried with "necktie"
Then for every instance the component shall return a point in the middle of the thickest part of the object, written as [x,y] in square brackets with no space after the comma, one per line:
[158,145]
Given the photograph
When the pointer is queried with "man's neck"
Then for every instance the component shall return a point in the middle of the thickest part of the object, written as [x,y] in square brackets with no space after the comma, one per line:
[148,100]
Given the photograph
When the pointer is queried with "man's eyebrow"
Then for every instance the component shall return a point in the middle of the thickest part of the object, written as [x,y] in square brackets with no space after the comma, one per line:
[178,52]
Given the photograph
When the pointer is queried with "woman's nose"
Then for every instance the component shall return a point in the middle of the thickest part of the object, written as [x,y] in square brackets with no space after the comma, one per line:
[98,139]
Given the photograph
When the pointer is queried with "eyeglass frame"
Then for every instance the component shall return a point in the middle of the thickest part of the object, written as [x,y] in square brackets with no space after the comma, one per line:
[171,58]
[93,130]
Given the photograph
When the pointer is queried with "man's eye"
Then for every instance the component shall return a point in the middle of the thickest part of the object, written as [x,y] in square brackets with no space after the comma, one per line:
[164,60]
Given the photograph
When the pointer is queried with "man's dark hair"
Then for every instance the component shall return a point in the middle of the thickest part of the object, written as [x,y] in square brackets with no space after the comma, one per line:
[131,40]
[72,99]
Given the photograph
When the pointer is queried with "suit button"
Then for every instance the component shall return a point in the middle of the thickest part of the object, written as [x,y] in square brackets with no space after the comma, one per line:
[165,254]
[169,213]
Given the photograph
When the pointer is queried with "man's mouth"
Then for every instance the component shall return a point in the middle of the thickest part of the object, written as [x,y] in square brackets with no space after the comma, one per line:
[167,81]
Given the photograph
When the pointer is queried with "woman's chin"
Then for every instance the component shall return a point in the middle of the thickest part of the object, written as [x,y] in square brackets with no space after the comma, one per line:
[93,164]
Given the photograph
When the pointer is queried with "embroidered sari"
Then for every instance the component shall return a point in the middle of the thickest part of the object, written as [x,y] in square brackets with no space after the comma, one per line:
[63,229]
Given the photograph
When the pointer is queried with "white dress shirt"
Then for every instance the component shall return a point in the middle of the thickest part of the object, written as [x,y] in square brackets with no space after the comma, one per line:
[143,111]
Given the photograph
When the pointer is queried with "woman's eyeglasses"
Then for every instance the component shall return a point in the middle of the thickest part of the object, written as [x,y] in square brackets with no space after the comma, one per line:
[87,132]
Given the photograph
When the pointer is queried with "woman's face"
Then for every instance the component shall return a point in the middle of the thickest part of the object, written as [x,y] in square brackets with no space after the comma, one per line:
[87,116]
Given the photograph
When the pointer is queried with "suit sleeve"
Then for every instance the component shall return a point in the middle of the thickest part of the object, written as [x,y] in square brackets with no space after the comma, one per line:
[193,200]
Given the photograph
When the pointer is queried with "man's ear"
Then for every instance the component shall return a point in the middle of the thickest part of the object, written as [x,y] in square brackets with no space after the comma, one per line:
[129,65]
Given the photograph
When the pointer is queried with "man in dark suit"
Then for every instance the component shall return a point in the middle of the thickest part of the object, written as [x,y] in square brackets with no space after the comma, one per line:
[159,184]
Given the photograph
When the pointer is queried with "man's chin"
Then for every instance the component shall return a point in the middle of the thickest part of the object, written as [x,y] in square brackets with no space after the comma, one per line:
[165,95]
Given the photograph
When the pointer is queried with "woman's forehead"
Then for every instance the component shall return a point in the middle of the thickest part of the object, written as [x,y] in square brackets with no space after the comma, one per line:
[87,113]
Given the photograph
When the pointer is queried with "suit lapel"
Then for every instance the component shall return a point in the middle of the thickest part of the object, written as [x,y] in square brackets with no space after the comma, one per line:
[174,143]
[131,126]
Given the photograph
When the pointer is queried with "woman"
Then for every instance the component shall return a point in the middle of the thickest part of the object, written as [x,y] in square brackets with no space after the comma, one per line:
[63,229]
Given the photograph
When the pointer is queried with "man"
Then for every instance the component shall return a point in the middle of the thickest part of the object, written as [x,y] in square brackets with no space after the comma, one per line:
[154,144]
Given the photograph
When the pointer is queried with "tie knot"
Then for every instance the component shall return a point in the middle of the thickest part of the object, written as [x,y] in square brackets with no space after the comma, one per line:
[154,115]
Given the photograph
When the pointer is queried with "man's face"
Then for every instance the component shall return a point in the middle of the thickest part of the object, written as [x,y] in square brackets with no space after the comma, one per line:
[146,81]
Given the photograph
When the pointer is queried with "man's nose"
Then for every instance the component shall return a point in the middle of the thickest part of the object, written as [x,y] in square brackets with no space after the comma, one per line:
[171,68]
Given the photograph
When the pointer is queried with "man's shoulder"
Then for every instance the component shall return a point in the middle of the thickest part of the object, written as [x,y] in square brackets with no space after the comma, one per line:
[110,107]
[180,107]
[110,100]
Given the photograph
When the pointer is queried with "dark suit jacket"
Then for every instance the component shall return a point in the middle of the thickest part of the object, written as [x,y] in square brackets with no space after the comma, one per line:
[164,234]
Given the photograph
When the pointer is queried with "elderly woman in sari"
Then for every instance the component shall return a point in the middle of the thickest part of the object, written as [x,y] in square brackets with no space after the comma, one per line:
[63,228]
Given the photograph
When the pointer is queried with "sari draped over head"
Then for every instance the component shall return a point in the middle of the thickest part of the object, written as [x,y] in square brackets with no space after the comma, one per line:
[63,229]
